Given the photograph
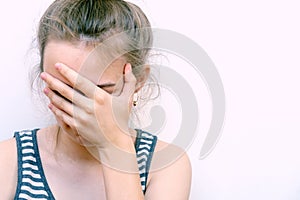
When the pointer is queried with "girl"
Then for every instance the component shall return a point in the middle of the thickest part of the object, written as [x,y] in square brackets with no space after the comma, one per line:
[93,62]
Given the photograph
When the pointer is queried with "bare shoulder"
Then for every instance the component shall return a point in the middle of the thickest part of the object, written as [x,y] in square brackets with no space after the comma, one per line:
[8,168]
[8,152]
[170,171]
[167,155]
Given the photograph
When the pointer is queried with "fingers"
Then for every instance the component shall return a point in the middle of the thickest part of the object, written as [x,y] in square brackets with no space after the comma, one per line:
[77,81]
[59,102]
[59,94]
[58,86]
[62,117]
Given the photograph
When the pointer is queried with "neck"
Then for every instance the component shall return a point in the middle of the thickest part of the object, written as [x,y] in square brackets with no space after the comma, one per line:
[69,148]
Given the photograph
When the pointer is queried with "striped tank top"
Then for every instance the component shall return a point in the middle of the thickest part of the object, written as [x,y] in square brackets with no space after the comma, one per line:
[32,183]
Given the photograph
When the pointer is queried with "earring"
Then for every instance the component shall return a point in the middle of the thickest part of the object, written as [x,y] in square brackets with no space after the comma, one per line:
[135,99]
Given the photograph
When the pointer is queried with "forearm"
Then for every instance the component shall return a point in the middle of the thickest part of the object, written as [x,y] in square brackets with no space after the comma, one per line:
[120,169]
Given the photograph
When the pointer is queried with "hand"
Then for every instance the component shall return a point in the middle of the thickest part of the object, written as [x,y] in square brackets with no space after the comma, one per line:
[88,113]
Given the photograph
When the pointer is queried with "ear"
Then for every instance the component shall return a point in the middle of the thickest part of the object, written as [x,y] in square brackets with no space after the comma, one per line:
[140,82]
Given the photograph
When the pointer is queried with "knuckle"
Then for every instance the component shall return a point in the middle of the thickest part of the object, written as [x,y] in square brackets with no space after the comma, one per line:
[82,120]
[57,113]
[63,91]
[89,109]
[79,81]
[50,83]
[65,119]
[59,101]
[99,99]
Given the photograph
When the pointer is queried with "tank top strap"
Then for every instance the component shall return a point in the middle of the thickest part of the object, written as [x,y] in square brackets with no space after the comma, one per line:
[32,183]
[144,146]
[31,179]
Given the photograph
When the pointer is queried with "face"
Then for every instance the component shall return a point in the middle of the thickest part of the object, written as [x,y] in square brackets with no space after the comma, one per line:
[86,61]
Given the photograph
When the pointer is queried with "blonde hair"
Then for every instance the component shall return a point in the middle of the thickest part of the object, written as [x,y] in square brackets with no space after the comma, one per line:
[94,21]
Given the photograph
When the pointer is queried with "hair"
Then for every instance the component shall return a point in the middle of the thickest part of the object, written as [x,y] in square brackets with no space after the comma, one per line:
[93,22]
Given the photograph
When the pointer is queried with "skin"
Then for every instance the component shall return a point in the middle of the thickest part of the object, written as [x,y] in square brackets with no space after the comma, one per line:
[93,155]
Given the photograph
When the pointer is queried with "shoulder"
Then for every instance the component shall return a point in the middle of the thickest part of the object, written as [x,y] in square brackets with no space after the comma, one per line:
[8,152]
[170,171]
[8,168]
[168,156]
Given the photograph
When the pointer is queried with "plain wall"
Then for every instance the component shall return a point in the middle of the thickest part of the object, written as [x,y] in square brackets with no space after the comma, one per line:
[255,46]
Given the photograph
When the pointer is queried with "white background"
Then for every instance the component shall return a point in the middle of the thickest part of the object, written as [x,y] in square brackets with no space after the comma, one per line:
[255,46]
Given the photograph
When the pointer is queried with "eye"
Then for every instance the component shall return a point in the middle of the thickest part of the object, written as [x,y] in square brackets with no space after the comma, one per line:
[108,87]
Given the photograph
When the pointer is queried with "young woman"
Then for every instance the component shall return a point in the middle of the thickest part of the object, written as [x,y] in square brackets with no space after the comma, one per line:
[93,62]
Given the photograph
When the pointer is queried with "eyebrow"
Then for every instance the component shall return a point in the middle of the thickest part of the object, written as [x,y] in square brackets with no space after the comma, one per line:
[106,85]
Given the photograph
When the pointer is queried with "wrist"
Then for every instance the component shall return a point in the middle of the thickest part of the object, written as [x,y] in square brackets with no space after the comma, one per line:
[122,139]
[119,159]
[120,153]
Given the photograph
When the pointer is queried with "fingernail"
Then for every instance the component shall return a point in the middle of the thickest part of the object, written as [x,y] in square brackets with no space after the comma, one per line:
[50,106]
[43,76]
[46,91]
[58,66]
